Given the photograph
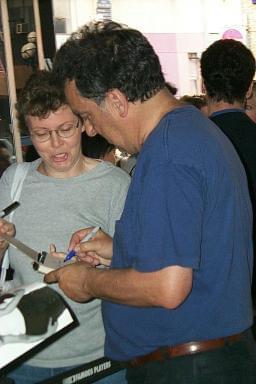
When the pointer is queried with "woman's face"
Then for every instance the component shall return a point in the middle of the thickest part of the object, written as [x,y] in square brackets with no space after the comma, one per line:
[61,156]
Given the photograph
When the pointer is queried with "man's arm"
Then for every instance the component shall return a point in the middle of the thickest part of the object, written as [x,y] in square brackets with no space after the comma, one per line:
[166,288]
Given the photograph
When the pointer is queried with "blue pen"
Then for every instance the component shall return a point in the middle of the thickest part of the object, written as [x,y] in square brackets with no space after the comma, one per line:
[88,237]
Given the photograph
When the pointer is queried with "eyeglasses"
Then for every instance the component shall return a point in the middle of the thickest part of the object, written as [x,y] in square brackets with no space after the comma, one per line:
[67,131]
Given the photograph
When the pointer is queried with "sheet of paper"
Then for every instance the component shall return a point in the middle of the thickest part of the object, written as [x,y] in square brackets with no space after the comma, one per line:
[29,315]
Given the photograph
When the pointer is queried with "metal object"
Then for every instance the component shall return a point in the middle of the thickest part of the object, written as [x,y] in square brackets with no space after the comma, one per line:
[43,262]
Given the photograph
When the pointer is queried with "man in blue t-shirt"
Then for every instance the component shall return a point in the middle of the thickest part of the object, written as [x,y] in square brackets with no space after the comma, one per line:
[176,298]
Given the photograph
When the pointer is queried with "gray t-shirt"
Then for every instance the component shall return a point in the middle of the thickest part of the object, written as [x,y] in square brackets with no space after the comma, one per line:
[50,211]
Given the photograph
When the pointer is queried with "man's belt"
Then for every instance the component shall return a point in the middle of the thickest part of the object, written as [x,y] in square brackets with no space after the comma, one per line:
[190,348]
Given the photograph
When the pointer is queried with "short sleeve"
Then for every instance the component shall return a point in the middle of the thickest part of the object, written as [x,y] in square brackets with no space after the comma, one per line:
[170,222]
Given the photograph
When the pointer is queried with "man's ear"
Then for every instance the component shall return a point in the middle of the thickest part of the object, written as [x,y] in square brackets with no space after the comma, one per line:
[203,89]
[89,128]
[249,92]
[118,102]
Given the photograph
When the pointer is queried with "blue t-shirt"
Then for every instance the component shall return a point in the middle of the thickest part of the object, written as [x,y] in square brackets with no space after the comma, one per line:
[188,205]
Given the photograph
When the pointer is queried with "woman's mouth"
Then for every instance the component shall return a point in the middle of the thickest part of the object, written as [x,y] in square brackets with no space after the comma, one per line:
[59,158]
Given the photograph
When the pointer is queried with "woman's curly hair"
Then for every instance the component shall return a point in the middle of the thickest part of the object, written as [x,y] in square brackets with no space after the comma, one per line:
[39,97]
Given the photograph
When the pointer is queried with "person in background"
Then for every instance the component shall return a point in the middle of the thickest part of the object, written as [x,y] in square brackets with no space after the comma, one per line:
[228,68]
[177,296]
[31,154]
[63,191]
[250,104]
[199,101]
[128,163]
[5,157]
[171,88]
[98,148]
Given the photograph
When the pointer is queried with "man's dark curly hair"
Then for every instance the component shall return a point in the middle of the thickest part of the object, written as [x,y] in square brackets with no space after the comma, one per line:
[39,97]
[103,56]
[227,67]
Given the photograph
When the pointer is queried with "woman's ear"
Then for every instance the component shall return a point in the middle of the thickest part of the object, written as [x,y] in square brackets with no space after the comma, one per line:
[118,102]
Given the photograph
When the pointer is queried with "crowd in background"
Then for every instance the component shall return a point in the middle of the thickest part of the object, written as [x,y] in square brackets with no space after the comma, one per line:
[176,253]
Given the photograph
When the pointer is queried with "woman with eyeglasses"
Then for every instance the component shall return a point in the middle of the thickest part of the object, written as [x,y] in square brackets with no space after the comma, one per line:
[63,191]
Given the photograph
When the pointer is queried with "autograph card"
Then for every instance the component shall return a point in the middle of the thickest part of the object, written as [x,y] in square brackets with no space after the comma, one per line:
[29,315]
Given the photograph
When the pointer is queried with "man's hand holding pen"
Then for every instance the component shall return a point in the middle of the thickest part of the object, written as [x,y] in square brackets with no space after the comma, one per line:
[97,250]
[76,279]
[90,245]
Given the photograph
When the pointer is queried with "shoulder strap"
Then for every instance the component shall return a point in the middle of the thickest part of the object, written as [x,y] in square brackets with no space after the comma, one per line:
[17,183]
[19,177]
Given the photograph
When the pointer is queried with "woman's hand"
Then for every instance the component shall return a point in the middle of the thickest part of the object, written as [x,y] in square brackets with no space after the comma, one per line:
[58,255]
[5,228]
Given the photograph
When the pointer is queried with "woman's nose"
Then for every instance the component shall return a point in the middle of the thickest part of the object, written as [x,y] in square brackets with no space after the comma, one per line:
[55,139]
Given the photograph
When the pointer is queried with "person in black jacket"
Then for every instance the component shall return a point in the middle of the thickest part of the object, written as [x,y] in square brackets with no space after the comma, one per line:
[228,68]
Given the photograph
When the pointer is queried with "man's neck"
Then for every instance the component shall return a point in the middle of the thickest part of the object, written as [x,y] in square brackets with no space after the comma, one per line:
[222,105]
[152,111]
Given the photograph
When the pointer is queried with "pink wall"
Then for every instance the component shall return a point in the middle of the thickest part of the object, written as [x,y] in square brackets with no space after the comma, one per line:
[172,50]
[165,46]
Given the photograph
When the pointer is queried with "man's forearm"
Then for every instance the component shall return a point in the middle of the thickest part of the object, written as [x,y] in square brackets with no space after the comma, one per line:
[163,288]
[166,288]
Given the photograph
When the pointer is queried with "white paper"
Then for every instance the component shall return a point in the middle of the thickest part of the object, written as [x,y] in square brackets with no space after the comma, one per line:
[15,333]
